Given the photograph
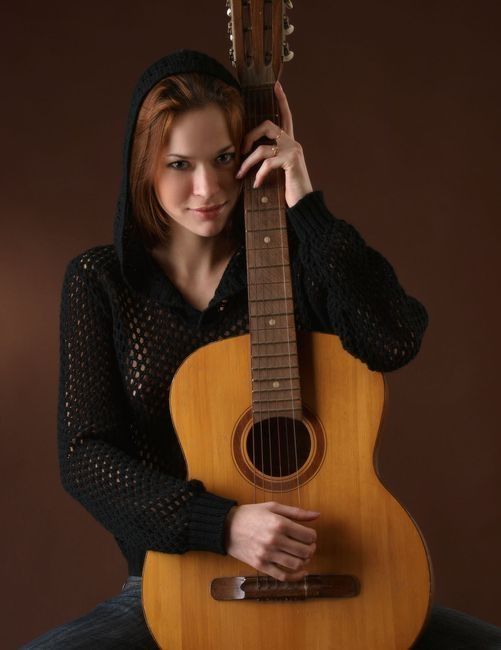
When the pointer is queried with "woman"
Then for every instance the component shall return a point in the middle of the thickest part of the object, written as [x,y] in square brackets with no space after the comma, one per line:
[174,280]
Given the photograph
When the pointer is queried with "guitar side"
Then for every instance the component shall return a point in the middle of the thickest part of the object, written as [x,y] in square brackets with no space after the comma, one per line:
[362,530]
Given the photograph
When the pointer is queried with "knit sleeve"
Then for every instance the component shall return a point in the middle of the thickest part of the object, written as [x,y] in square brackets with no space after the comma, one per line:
[139,505]
[353,290]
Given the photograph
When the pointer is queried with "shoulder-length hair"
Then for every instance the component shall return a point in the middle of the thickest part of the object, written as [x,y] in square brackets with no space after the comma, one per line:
[167,99]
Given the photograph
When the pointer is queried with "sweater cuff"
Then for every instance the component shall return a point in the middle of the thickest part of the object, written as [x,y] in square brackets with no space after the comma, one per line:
[309,216]
[206,522]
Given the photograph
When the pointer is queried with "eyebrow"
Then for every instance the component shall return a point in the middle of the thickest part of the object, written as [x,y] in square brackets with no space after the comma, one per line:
[179,155]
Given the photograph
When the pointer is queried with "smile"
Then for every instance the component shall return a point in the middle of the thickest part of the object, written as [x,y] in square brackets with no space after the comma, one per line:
[209,211]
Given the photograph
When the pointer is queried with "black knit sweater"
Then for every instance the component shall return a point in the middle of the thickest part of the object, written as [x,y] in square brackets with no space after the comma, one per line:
[125,329]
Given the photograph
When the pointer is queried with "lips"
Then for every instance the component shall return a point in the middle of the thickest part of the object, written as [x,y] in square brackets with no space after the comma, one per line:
[209,208]
[209,212]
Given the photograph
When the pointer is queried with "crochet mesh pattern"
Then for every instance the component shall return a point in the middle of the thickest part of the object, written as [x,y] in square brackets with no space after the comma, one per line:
[120,348]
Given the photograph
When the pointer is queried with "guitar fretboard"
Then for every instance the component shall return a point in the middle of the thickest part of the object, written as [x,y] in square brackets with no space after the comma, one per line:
[276,389]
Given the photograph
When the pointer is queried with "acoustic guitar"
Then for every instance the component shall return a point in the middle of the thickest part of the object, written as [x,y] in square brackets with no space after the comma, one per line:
[291,417]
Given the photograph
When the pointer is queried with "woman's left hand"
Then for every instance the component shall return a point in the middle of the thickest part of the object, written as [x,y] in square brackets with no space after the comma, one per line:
[286,154]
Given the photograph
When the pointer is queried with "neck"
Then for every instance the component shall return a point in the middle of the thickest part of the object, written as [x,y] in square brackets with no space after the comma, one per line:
[189,256]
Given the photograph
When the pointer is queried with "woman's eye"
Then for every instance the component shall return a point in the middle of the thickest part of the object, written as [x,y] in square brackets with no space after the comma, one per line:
[224,158]
[178,162]
[230,156]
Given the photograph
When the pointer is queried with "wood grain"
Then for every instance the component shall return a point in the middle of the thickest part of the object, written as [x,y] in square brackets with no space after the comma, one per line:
[362,529]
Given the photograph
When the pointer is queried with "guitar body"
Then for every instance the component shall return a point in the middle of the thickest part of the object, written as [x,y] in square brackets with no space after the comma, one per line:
[362,530]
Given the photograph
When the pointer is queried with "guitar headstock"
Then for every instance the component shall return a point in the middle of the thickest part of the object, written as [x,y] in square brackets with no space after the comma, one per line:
[258,30]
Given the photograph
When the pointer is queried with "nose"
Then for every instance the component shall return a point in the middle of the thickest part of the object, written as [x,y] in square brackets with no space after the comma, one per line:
[205,181]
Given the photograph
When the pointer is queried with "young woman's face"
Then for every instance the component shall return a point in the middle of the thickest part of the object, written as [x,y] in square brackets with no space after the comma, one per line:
[196,169]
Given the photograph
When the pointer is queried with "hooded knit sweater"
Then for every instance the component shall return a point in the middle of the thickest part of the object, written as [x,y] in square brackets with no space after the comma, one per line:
[125,329]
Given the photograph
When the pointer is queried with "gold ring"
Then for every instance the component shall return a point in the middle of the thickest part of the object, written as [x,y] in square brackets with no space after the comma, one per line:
[274,150]
[279,135]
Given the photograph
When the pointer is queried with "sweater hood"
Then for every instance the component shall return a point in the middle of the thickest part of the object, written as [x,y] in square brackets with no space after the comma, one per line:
[136,264]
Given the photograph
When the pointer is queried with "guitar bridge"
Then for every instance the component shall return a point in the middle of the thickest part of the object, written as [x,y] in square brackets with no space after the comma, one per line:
[267,588]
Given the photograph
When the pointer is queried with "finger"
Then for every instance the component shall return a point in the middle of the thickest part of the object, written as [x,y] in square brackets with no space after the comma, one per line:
[292,512]
[285,111]
[296,531]
[302,534]
[264,151]
[282,574]
[295,548]
[266,129]
[270,163]
[289,562]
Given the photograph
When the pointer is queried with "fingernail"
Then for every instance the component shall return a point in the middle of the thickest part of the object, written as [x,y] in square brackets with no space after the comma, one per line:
[239,173]
[254,185]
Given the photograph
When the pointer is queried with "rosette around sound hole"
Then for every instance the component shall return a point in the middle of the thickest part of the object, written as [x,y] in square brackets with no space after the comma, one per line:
[278,453]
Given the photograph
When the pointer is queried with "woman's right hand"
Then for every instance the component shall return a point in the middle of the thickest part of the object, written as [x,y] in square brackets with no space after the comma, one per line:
[268,537]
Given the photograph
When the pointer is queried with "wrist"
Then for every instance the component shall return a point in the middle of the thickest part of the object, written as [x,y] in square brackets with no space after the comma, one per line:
[227,526]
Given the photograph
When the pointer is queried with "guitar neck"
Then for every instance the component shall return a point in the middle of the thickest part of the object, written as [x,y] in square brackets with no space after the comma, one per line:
[274,367]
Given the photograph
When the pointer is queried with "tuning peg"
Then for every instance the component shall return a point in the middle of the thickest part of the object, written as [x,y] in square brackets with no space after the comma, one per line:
[232,55]
[228,12]
[287,54]
[288,4]
[288,28]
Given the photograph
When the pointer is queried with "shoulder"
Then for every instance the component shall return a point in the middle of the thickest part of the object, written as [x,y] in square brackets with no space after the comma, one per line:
[94,262]
[97,266]
[95,271]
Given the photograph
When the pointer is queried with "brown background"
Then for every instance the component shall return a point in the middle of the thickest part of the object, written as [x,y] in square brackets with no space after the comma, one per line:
[397,107]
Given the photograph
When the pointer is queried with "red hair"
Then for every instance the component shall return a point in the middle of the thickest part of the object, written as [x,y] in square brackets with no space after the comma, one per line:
[167,99]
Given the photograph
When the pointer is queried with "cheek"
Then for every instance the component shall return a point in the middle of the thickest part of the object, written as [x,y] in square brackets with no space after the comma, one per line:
[172,189]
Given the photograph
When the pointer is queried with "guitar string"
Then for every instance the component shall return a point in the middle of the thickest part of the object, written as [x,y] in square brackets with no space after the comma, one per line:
[270,111]
[282,211]
[273,111]
[256,196]
[254,201]
[283,216]
[265,108]
[257,104]
[249,198]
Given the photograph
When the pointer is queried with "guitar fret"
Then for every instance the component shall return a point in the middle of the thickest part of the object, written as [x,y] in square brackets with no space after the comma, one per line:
[276,399]
[271,328]
[279,228]
[280,282]
[271,354]
[254,267]
[291,377]
[279,297]
[268,299]
[267,209]
[291,366]
[296,406]
[259,343]
[275,313]
[291,374]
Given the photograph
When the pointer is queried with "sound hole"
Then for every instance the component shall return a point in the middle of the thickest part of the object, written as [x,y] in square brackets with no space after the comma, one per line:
[278,446]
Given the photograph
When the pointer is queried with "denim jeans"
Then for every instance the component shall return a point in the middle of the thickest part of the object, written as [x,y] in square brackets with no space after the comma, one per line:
[115,623]
[119,623]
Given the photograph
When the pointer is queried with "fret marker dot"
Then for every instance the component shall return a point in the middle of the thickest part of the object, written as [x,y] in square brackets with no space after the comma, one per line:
[272,321]
[276,384]
[267,239]
[264,199]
